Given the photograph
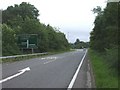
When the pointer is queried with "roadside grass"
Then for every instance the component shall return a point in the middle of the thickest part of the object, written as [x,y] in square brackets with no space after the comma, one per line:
[104,75]
[30,57]
[20,58]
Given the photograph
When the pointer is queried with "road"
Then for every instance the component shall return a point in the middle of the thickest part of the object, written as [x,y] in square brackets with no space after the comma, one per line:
[53,71]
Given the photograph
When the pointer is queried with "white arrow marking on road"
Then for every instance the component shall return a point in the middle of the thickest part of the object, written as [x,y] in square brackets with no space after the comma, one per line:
[20,72]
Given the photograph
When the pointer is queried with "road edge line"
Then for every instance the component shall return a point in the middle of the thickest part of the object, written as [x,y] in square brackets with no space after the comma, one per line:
[76,73]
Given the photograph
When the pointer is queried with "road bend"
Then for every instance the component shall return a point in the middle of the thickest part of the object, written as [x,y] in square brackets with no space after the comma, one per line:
[53,71]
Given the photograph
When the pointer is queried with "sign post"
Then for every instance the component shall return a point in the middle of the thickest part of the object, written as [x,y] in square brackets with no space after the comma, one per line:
[27,41]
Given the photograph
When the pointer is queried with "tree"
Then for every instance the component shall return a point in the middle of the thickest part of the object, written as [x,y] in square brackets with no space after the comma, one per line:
[22,11]
[80,44]
[77,44]
[97,10]
[22,19]
[105,31]
[9,45]
[104,37]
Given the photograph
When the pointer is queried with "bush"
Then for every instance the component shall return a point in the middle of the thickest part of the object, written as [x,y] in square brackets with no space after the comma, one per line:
[9,46]
[112,57]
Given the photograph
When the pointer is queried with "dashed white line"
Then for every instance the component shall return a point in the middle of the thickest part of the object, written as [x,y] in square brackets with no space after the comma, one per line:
[88,66]
[88,76]
[49,61]
[49,58]
[42,58]
[88,79]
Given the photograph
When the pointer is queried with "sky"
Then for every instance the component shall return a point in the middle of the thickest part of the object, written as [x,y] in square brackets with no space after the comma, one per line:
[72,17]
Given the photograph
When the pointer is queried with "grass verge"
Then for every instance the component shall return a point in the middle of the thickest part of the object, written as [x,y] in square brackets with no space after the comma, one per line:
[104,76]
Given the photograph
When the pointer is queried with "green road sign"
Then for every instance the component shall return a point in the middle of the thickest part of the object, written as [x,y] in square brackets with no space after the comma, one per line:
[27,40]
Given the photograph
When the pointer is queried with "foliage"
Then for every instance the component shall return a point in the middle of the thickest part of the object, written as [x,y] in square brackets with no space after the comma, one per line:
[23,19]
[22,11]
[105,31]
[97,10]
[112,57]
[104,37]
[105,77]
[9,45]
[79,44]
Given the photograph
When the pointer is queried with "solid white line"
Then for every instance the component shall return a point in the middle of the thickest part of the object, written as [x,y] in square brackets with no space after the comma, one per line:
[20,72]
[75,75]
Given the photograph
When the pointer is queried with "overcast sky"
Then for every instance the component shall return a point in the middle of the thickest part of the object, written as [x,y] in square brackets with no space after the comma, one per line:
[72,17]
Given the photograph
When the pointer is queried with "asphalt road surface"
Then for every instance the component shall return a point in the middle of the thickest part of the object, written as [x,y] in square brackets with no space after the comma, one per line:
[53,71]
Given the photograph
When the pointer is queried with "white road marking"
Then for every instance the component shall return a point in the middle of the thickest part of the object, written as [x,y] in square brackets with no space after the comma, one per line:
[20,72]
[88,66]
[42,58]
[75,75]
[79,49]
[49,58]
[49,61]
[88,79]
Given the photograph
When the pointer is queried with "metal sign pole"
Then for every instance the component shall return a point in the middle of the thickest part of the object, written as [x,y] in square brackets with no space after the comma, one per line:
[27,43]
[32,50]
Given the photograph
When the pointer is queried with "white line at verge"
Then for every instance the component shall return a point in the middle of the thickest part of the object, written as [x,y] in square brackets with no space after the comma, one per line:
[75,75]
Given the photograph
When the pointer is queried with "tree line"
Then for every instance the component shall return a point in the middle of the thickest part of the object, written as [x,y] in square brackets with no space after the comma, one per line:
[104,36]
[79,44]
[23,19]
